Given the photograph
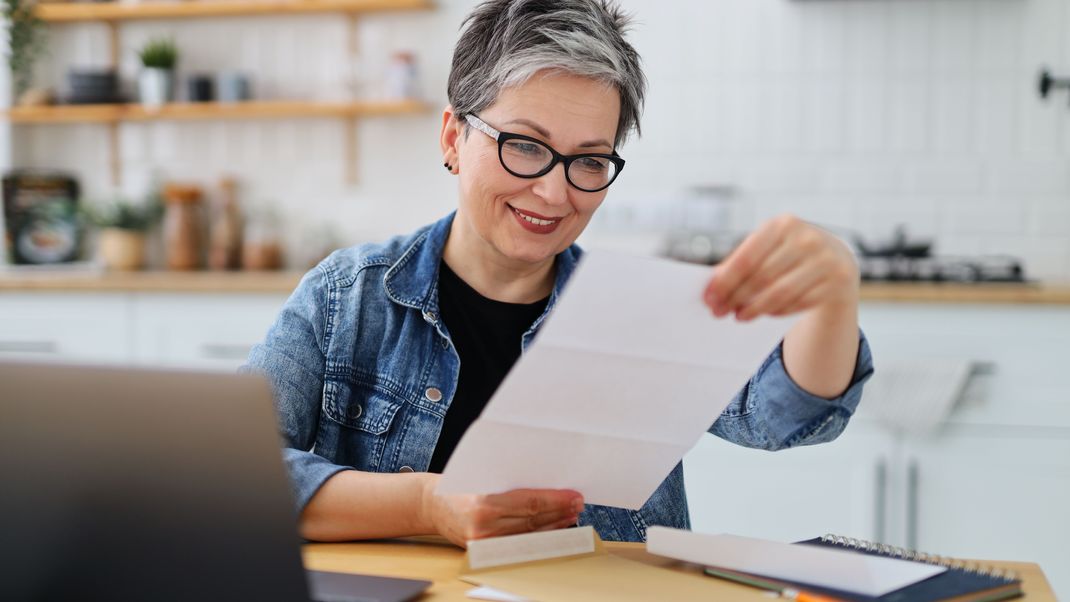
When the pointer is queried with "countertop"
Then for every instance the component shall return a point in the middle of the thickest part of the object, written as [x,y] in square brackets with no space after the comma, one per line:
[149,281]
[284,282]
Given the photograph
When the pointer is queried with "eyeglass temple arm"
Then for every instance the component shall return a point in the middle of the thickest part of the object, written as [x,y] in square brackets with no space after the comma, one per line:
[479,124]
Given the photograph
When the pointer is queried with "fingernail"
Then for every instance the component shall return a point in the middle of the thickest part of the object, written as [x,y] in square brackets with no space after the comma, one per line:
[577,506]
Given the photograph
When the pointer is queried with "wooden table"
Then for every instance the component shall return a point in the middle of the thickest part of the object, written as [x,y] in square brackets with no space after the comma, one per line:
[438,561]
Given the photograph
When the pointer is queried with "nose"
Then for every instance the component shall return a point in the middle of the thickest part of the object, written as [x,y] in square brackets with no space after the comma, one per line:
[552,187]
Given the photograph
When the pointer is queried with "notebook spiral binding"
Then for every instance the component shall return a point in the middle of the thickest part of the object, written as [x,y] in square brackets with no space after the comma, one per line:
[905,554]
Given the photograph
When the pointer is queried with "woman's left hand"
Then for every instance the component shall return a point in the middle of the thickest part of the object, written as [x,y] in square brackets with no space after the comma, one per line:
[784,267]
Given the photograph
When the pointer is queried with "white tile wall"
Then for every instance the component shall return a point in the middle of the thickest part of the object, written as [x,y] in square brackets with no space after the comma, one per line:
[860,114]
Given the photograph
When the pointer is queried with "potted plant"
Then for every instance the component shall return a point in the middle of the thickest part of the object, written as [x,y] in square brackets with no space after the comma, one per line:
[123,226]
[26,41]
[156,80]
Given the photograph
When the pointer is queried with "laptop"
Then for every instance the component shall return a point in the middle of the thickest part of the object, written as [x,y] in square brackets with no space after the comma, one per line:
[141,484]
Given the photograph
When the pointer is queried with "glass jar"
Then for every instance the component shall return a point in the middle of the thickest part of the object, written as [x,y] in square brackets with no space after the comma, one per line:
[183,226]
[262,249]
[225,232]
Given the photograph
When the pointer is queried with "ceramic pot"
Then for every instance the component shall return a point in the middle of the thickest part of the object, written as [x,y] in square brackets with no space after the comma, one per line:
[155,86]
[122,250]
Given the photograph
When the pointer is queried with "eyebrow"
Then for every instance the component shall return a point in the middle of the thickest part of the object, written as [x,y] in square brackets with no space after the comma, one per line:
[545,134]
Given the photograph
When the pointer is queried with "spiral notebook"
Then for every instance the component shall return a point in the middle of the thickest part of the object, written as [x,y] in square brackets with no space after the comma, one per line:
[964,581]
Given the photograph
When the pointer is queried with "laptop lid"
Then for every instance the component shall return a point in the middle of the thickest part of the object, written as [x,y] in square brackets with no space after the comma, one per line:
[137,484]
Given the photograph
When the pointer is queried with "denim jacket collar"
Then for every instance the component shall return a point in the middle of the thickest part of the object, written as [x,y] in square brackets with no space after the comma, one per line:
[412,280]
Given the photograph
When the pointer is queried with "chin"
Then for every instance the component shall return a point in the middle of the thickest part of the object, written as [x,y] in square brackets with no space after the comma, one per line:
[530,253]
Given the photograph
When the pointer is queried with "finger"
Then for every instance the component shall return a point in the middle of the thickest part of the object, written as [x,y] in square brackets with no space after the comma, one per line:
[783,259]
[739,264]
[564,524]
[785,293]
[524,524]
[529,502]
[519,524]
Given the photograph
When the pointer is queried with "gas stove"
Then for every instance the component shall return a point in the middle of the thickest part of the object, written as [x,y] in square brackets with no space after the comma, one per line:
[937,268]
[906,259]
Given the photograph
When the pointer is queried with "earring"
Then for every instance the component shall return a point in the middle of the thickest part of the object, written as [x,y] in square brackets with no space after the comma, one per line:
[448,167]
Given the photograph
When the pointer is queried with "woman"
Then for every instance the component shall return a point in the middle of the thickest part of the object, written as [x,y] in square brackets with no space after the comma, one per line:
[386,353]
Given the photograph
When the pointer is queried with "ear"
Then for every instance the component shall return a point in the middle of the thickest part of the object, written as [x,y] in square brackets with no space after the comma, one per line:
[450,137]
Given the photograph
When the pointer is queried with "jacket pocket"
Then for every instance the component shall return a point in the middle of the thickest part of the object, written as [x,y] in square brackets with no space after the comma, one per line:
[360,406]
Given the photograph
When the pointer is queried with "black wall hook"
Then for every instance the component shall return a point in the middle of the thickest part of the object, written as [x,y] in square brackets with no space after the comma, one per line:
[1049,82]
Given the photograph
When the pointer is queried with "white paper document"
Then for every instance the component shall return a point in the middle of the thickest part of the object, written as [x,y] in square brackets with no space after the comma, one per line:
[836,569]
[624,377]
[494,595]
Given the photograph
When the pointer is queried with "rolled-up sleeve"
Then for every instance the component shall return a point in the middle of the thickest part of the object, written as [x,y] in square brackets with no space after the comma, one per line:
[292,358]
[773,412]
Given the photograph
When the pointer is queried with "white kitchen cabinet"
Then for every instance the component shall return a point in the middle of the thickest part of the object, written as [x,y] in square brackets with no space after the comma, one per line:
[1025,345]
[838,487]
[82,327]
[982,493]
[994,480]
[212,332]
[202,331]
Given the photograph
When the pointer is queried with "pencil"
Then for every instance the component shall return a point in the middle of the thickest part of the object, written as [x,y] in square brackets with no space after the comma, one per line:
[801,596]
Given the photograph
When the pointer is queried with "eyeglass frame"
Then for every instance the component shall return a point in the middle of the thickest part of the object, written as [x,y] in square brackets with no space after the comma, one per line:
[503,137]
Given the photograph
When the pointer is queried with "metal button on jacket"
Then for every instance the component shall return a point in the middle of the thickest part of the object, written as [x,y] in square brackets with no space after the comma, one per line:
[355,411]
[406,469]
[433,394]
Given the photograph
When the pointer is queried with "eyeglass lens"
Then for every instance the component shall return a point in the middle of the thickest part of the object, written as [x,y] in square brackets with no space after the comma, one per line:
[528,158]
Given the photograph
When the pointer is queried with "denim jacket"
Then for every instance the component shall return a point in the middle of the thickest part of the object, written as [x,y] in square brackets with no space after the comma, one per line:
[364,371]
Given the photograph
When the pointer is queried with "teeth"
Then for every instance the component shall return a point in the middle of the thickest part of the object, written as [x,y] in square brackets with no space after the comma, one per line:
[537,222]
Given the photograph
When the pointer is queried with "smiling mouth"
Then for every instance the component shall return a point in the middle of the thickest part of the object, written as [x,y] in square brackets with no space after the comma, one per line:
[533,219]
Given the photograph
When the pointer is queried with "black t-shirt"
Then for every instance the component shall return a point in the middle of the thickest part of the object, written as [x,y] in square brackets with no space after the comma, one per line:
[487,335]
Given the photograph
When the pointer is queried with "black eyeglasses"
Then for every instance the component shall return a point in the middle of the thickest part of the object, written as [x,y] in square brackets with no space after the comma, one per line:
[527,157]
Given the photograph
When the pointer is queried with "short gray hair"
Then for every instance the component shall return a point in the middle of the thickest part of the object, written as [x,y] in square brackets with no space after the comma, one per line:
[504,42]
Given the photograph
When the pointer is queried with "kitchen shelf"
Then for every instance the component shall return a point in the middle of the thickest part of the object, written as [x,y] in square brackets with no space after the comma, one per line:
[66,12]
[114,13]
[258,109]
[112,115]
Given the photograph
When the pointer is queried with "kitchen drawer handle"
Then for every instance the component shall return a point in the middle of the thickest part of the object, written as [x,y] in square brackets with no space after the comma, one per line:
[28,347]
[880,500]
[224,351]
[912,505]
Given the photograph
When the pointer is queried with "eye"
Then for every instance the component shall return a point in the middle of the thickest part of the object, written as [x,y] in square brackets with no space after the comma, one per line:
[525,148]
[593,164]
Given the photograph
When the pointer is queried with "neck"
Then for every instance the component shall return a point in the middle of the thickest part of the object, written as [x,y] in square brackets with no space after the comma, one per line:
[490,273]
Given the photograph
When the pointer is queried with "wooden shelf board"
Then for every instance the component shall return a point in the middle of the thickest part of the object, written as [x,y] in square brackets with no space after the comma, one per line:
[59,12]
[110,113]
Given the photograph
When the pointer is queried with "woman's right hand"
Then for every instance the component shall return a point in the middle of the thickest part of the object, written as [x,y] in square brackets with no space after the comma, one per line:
[461,518]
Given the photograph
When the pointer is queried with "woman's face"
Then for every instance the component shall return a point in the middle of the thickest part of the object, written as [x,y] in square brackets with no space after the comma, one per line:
[573,115]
